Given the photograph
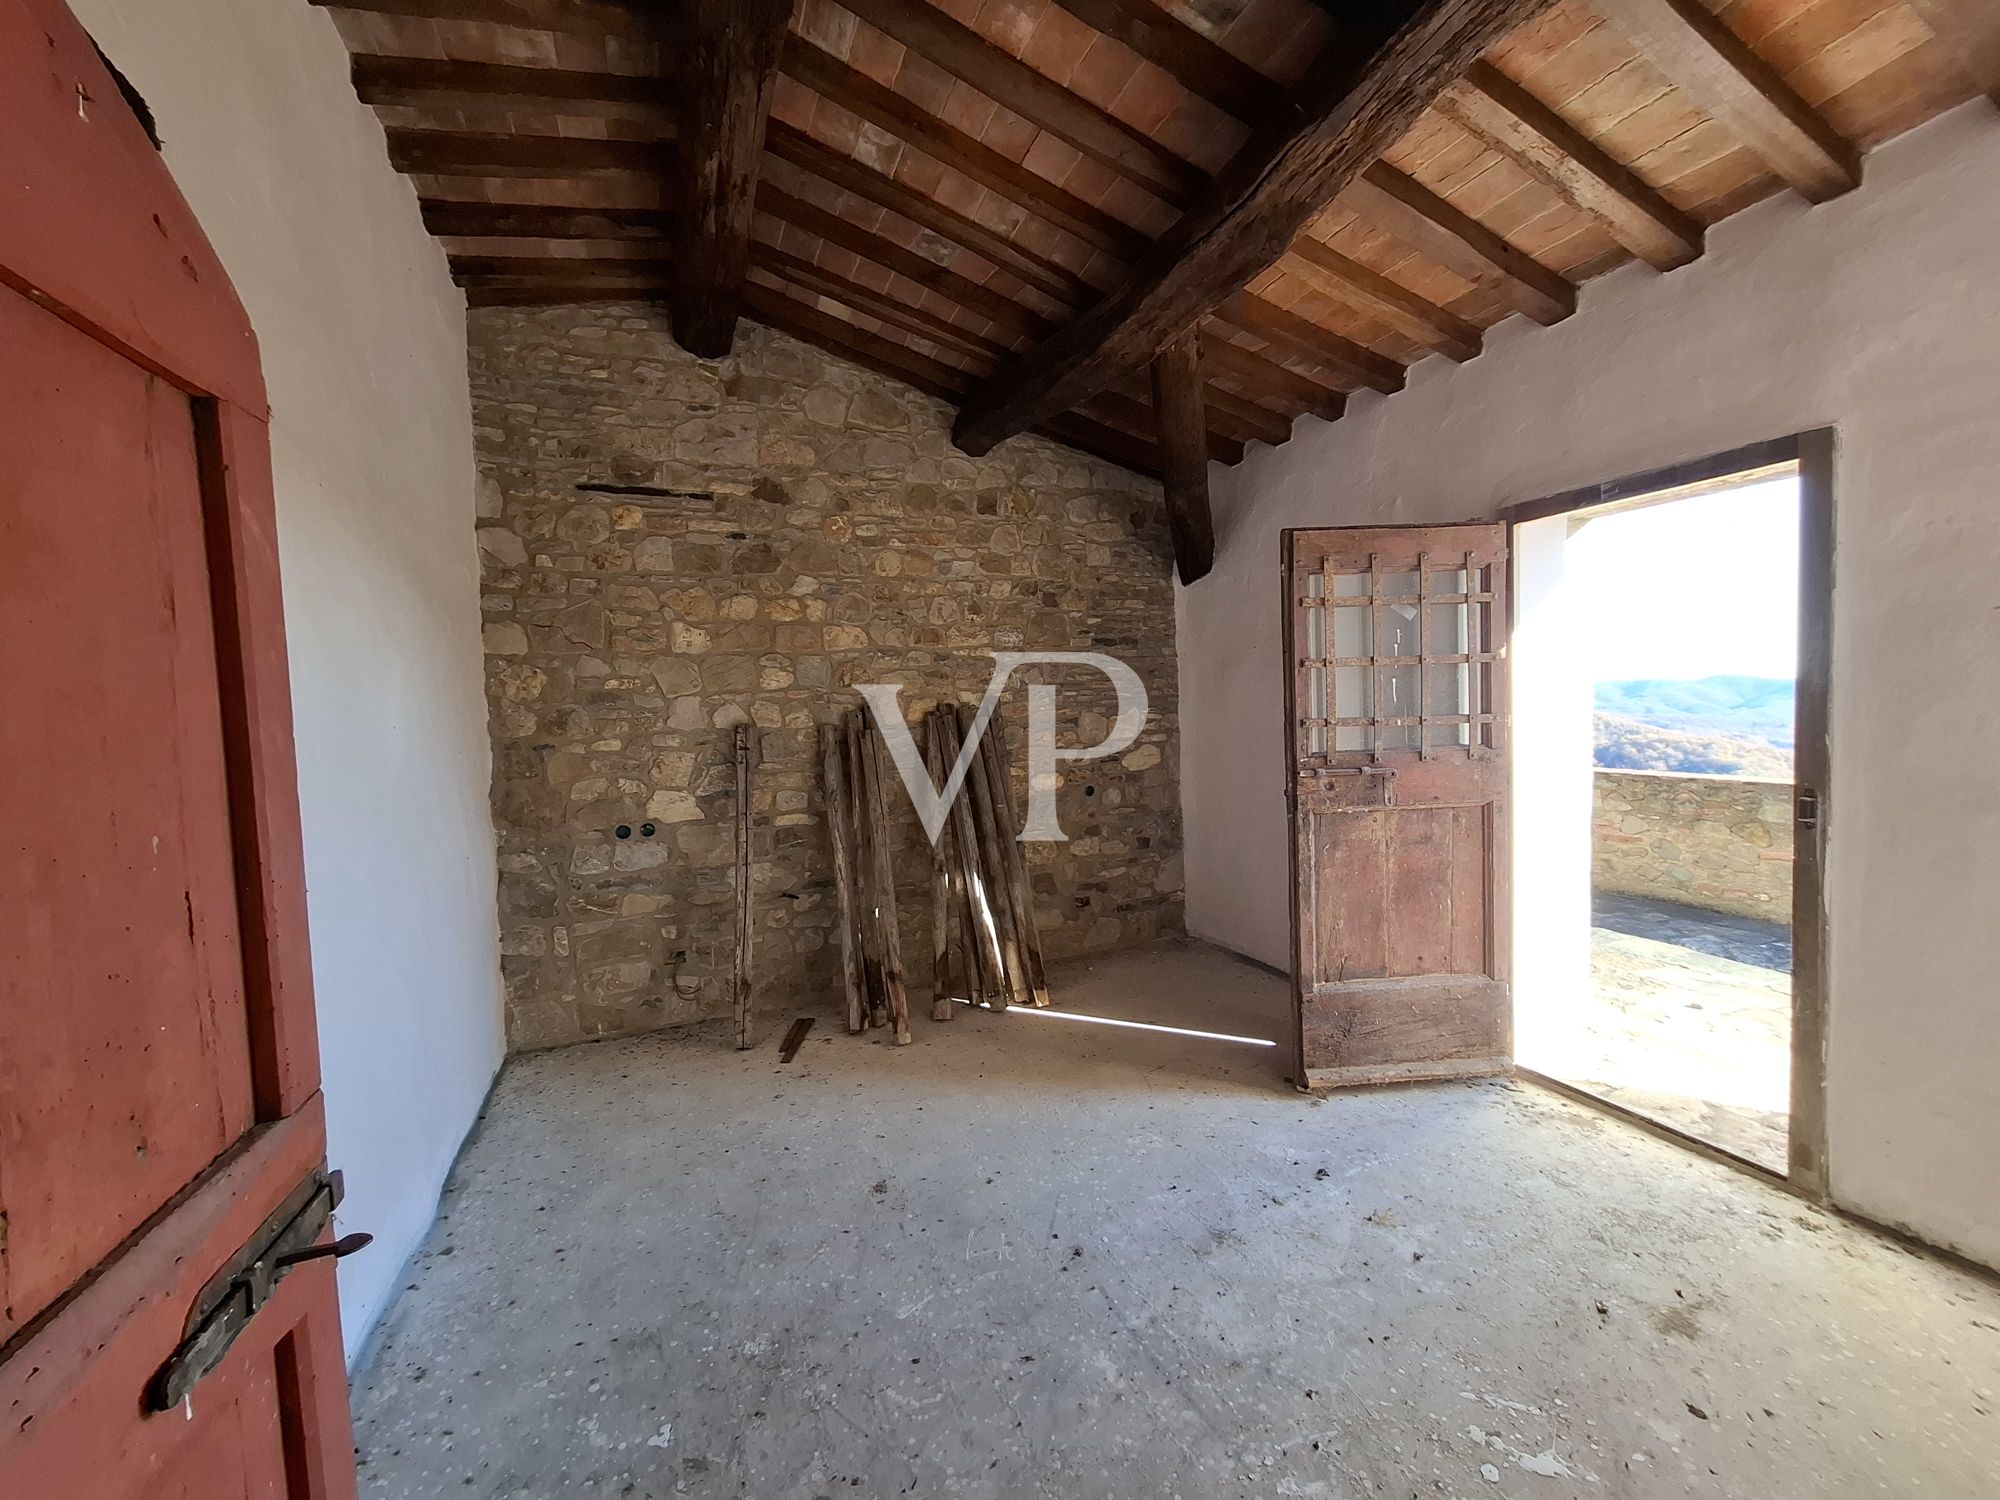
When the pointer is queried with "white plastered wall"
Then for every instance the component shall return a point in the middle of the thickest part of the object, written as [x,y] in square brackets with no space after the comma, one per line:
[363,342]
[1877,314]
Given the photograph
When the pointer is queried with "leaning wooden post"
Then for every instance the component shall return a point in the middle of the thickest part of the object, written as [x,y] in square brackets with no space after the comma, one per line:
[872,758]
[840,829]
[874,993]
[993,868]
[745,752]
[986,972]
[945,950]
[993,749]
[1183,435]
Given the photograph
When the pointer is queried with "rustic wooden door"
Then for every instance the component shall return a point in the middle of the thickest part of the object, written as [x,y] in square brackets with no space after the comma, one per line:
[1397,735]
[168,1322]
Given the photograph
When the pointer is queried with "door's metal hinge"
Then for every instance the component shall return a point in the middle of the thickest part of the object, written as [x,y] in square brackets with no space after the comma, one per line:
[1808,807]
[235,1294]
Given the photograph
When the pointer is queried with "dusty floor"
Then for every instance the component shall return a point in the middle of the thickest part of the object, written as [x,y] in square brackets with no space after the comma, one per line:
[1038,1258]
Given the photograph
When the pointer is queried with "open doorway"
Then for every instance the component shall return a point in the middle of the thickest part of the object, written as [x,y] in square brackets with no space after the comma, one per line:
[1669,709]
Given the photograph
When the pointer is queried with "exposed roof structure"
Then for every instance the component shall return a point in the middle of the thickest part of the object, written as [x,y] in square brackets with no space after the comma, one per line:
[1014,204]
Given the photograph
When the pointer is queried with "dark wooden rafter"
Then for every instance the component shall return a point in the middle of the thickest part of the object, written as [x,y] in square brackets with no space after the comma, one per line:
[1177,401]
[840,170]
[1000,76]
[1302,339]
[1375,295]
[835,230]
[591,18]
[538,221]
[1713,66]
[451,83]
[816,280]
[1441,232]
[1498,111]
[888,110]
[728,72]
[1970,31]
[899,361]
[1355,104]
[1134,414]
[447,153]
[1199,65]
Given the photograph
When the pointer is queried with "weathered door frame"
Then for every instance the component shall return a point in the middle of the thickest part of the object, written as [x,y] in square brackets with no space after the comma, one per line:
[94,231]
[1811,454]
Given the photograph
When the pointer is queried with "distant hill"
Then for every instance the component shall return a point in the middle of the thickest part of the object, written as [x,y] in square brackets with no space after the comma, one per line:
[1627,745]
[1726,726]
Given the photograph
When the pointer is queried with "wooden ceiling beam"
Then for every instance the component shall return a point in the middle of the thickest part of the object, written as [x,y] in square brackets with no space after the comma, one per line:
[883,107]
[1359,99]
[1374,295]
[1970,32]
[1100,440]
[1441,232]
[1512,121]
[818,281]
[1718,71]
[574,17]
[1132,414]
[450,83]
[536,221]
[1284,385]
[557,294]
[1177,401]
[1002,77]
[792,145]
[449,153]
[1301,339]
[1200,66]
[859,345]
[574,268]
[998,309]
[728,73]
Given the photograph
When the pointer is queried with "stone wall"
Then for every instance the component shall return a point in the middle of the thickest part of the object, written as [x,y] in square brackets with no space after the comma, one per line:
[1721,842]
[673,547]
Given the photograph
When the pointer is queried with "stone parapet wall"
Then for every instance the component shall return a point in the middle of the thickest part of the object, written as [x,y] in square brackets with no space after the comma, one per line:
[673,547]
[1721,842]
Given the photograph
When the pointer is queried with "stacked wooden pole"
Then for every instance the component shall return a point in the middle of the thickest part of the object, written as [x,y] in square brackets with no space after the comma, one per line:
[985,948]
[992,952]
[853,767]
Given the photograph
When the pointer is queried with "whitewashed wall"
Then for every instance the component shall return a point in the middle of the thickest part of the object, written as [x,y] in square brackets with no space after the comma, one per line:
[1878,314]
[363,339]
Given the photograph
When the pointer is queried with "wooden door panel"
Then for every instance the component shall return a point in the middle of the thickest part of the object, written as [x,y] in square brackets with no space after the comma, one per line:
[124,1044]
[160,1118]
[1397,733]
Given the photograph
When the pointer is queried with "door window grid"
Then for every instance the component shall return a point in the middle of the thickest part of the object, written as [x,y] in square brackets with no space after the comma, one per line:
[1360,670]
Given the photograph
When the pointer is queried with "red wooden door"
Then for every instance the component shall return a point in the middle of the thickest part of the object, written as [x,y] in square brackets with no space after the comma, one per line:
[1396,724]
[161,1137]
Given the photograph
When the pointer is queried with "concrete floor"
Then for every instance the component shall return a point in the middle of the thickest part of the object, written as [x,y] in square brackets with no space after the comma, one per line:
[1038,1258]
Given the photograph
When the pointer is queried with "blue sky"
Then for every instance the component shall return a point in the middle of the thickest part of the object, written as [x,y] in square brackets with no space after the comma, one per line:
[1692,588]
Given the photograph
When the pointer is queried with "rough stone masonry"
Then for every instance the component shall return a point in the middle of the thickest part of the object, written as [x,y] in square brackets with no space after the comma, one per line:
[673,547]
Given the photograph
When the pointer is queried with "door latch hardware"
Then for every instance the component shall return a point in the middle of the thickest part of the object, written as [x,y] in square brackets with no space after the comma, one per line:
[236,1293]
[1808,807]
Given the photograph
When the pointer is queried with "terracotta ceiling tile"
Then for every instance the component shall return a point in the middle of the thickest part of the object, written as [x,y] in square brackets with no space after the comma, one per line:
[1101,72]
[1014,24]
[825,25]
[1054,159]
[876,56]
[968,110]
[1009,134]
